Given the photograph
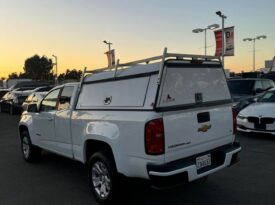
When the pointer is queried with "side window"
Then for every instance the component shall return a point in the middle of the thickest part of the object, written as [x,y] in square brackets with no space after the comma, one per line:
[50,101]
[65,98]
[258,85]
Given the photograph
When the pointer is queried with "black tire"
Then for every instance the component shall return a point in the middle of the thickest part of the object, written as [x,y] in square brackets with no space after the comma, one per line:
[0,107]
[107,180]
[30,152]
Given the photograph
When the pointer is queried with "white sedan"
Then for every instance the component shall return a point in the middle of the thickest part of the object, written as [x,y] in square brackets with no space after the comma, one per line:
[260,116]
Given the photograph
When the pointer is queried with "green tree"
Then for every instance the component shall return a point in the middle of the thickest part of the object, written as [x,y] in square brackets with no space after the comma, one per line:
[23,75]
[73,74]
[13,76]
[38,68]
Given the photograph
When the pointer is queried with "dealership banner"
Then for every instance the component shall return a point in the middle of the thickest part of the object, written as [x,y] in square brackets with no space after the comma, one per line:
[111,57]
[228,41]
[218,37]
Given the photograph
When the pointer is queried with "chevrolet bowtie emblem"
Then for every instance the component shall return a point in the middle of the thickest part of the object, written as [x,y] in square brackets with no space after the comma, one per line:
[204,128]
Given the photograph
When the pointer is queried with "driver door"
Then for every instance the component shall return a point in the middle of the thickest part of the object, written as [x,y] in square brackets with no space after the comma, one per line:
[44,120]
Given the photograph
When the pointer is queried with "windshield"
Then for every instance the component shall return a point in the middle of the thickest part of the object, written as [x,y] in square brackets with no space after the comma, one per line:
[241,87]
[268,97]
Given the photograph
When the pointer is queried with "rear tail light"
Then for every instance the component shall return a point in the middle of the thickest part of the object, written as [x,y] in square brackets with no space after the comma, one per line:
[234,115]
[154,137]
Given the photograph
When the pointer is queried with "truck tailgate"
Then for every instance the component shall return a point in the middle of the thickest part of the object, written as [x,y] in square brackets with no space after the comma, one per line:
[194,131]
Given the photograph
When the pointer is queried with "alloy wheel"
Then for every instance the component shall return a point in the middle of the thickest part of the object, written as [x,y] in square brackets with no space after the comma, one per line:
[101,180]
[26,147]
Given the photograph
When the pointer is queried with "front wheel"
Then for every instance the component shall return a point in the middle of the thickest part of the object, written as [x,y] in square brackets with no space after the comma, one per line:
[30,152]
[103,177]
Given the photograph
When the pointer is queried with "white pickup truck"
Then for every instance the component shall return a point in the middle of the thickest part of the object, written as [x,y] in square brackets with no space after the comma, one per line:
[163,119]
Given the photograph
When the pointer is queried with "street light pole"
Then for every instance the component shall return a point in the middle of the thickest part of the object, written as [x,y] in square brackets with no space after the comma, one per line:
[219,13]
[198,30]
[254,54]
[205,44]
[55,67]
[254,41]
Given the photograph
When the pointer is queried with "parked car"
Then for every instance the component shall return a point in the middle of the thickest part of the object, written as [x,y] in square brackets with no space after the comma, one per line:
[246,91]
[12,101]
[260,116]
[155,121]
[35,97]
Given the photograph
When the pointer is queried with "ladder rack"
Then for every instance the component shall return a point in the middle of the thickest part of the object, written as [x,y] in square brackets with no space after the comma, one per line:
[160,58]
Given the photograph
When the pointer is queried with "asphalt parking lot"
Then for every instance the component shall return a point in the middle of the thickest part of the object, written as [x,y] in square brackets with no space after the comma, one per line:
[57,180]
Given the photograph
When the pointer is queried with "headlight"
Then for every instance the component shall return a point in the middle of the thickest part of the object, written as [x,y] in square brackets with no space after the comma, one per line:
[241,117]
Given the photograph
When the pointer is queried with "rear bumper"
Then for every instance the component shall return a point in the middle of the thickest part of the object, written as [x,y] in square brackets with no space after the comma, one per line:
[221,157]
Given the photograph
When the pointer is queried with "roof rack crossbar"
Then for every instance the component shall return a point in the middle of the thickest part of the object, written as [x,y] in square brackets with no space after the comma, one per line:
[190,56]
[160,58]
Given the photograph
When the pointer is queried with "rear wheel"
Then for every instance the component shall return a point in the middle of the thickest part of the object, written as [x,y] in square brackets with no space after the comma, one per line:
[30,152]
[103,177]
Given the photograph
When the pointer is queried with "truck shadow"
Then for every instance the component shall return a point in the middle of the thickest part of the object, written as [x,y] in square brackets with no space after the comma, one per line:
[134,192]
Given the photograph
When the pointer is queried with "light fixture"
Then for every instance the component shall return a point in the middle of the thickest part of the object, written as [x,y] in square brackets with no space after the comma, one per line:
[247,39]
[254,39]
[213,26]
[199,30]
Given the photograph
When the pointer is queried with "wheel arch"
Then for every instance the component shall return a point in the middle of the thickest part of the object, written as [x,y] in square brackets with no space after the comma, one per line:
[21,129]
[92,146]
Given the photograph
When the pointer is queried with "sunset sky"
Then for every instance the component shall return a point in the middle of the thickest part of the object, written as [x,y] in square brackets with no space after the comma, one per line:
[74,30]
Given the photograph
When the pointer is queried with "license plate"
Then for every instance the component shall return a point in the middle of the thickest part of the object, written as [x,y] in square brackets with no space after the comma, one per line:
[260,126]
[203,161]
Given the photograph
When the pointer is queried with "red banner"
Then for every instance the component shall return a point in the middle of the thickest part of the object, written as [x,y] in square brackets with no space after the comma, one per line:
[218,37]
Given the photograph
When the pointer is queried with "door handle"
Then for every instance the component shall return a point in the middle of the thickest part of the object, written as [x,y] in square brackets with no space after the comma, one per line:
[50,119]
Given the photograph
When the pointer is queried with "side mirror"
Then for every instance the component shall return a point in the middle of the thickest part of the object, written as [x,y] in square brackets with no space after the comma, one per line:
[32,108]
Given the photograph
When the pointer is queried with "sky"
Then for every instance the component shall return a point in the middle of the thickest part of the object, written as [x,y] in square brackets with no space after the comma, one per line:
[74,30]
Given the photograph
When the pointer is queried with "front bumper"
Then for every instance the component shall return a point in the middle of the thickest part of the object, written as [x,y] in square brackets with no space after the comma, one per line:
[248,130]
[244,126]
[221,157]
